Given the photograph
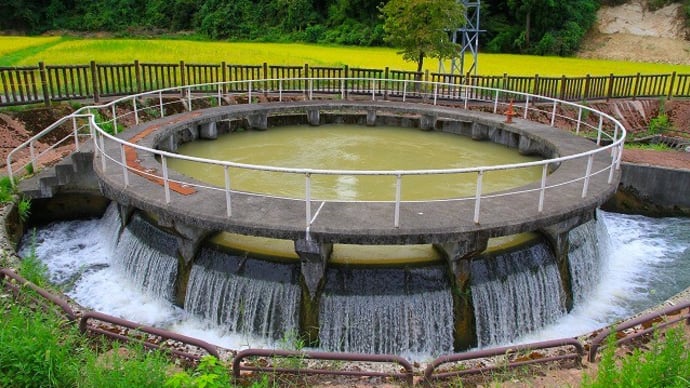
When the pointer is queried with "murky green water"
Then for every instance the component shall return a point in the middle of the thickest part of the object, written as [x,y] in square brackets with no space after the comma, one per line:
[346,147]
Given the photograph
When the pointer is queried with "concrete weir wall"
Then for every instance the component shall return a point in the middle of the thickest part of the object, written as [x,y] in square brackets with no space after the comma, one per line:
[652,190]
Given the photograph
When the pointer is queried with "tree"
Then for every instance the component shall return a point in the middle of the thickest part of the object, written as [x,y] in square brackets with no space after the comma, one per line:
[421,28]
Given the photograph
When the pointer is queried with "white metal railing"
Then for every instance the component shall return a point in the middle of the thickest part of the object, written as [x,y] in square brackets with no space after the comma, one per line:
[431,92]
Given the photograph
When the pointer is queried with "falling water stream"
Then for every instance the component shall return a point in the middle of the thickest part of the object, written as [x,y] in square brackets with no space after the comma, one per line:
[643,261]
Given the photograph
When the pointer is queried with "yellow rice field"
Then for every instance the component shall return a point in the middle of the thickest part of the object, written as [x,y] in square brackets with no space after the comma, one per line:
[27,51]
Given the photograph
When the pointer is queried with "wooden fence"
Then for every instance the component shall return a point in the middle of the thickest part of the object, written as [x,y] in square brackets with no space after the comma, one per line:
[47,83]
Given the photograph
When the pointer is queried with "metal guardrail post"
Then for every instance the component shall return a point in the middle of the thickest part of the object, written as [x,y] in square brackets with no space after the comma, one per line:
[398,183]
[588,173]
[478,196]
[542,190]
[553,113]
[228,204]
[123,160]
[160,104]
[166,181]
[307,198]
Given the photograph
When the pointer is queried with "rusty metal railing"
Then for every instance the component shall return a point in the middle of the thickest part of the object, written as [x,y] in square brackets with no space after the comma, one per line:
[575,355]
[649,322]
[142,335]
[7,276]
[237,366]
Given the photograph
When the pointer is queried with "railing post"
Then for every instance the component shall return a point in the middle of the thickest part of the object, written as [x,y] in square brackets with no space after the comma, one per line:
[249,92]
[113,112]
[612,168]
[579,121]
[311,88]
[524,115]
[373,90]
[44,83]
[398,182]
[189,98]
[94,82]
[166,183]
[435,92]
[160,104]
[478,196]
[495,101]
[346,75]
[75,130]
[123,160]
[32,153]
[542,190]
[601,125]
[280,90]
[585,187]
[227,192]
[553,113]
[307,199]
[136,112]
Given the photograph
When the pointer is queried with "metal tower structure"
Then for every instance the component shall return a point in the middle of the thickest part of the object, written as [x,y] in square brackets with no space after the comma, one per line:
[468,39]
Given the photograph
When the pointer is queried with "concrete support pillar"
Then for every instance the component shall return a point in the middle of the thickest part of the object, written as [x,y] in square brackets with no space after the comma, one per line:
[459,255]
[168,143]
[126,212]
[427,122]
[314,259]
[480,131]
[258,120]
[313,117]
[558,237]
[188,238]
[208,131]
[371,117]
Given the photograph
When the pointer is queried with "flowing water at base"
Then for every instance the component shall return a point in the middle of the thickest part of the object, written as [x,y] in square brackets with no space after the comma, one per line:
[645,262]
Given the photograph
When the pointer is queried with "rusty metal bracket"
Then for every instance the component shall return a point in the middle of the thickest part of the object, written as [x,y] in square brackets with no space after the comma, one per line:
[140,335]
[6,277]
[651,322]
[575,355]
[237,366]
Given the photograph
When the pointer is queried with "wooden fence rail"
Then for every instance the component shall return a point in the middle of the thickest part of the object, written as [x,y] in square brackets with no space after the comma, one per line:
[47,83]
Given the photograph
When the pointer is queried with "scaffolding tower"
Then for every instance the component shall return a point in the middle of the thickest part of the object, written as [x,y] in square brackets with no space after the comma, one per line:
[467,38]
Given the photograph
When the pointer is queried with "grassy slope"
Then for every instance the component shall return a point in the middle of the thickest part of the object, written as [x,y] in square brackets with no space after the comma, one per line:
[23,51]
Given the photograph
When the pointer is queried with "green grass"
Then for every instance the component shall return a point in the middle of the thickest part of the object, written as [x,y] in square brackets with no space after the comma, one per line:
[62,51]
[665,364]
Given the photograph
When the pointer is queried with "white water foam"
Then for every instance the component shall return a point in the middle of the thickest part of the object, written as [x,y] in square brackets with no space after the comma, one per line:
[648,260]
[644,262]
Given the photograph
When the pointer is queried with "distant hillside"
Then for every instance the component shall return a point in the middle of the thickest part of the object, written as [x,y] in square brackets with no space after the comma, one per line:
[632,32]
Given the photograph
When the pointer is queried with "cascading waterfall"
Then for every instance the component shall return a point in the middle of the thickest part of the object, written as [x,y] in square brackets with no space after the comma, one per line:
[516,293]
[110,225]
[585,258]
[386,311]
[147,255]
[244,295]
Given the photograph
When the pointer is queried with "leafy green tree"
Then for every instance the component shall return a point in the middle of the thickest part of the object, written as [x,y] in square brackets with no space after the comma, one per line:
[420,28]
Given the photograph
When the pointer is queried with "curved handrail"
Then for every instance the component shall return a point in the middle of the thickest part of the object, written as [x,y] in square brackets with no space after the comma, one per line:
[428,89]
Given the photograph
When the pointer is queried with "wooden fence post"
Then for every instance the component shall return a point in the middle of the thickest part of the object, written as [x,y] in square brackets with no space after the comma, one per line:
[183,78]
[535,87]
[44,83]
[385,77]
[637,87]
[587,85]
[137,75]
[610,88]
[94,82]
[346,75]
[224,76]
[670,88]
[564,81]
[266,75]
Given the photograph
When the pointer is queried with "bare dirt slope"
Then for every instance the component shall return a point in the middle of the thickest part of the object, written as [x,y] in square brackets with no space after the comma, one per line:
[630,32]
